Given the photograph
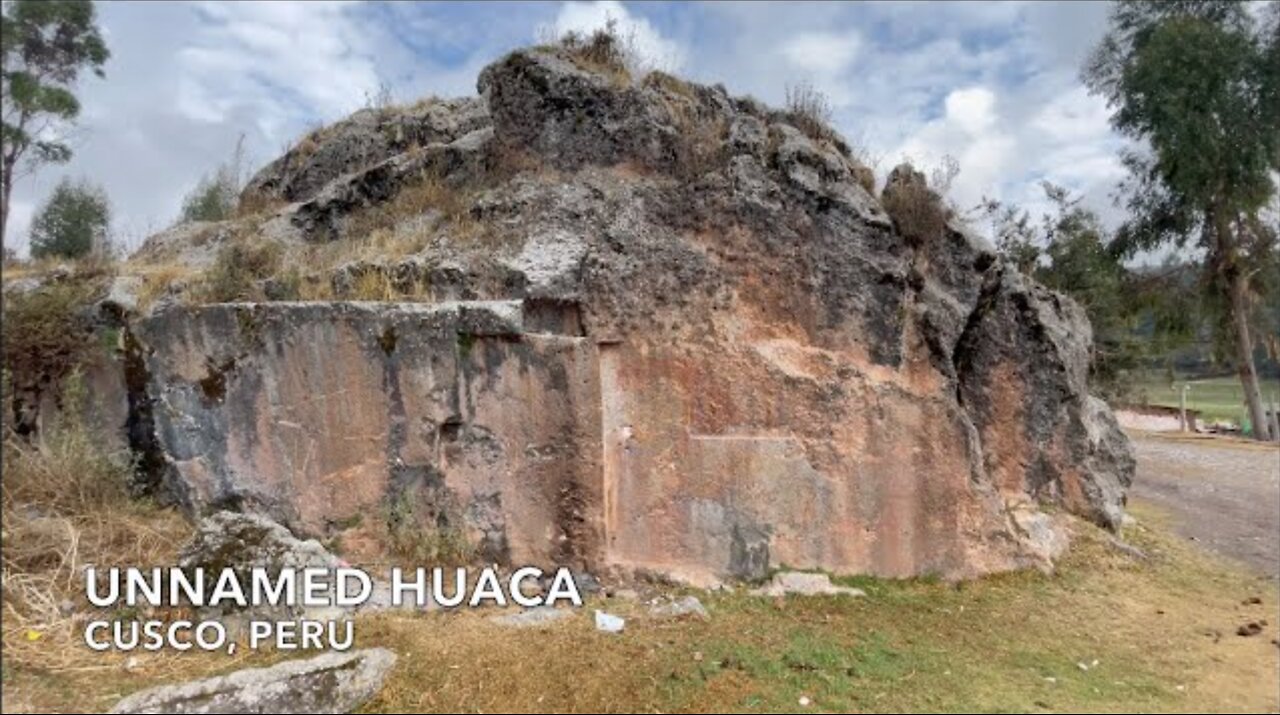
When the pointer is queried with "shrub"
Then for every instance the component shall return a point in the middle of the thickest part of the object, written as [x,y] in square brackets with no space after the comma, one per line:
[810,111]
[373,285]
[238,269]
[87,473]
[216,195]
[866,178]
[381,100]
[918,211]
[213,198]
[604,51]
[47,333]
[416,541]
[74,222]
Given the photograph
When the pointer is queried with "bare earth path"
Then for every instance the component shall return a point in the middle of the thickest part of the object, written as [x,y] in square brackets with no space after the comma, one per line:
[1224,494]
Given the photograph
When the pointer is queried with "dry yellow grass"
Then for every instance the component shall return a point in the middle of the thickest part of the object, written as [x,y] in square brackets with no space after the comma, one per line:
[156,279]
[429,193]
[66,505]
[29,269]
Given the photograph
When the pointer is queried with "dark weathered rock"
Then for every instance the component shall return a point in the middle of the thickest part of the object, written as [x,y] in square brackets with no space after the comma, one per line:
[329,683]
[542,101]
[368,137]
[1023,364]
[322,217]
[191,243]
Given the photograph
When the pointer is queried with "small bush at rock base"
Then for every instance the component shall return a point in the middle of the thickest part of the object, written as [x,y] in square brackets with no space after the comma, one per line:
[415,541]
[238,269]
[48,332]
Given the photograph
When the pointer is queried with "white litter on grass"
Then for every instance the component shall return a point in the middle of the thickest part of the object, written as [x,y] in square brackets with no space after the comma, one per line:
[609,623]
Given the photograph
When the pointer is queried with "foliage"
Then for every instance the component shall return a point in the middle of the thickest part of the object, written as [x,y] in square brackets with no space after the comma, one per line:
[809,110]
[414,539]
[73,222]
[238,269]
[1015,236]
[1070,251]
[45,45]
[1194,81]
[605,51]
[47,332]
[918,210]
[92,473]
[1080,264]
[216,196]
[1198,83]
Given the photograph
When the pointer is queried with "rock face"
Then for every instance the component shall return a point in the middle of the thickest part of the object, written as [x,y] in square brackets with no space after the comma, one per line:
[330,683]
[368,137]
[321,415]
[662,329]
[243,542]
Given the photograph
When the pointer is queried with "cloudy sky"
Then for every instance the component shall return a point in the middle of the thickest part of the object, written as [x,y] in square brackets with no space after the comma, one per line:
[994,85]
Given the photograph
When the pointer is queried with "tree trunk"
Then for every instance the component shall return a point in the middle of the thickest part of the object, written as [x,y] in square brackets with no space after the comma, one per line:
[1238,288]
[6,186]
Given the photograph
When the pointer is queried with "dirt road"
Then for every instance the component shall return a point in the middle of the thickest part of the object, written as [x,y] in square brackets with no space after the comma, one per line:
[1224,494]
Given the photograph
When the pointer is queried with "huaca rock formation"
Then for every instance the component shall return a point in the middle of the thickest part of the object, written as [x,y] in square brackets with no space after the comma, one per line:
[622,323]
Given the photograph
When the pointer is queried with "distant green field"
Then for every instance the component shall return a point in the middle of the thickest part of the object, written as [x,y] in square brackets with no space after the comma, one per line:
[1216,398]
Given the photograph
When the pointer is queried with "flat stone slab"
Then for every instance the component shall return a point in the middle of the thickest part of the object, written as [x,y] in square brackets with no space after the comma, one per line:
[804,584]
[689,606]
[329,683]
[533,617]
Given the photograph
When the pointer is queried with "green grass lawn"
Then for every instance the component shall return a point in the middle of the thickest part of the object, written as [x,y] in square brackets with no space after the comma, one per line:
[1217,398]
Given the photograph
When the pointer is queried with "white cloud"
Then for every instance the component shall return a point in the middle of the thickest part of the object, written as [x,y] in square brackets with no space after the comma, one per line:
[972,109]
[1074,115]
[824,59]
[973,133]
[822,52]
[183,82]
[653,50]
[289,63]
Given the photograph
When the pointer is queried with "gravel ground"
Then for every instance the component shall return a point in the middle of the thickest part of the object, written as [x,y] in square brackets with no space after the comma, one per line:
[1224,494]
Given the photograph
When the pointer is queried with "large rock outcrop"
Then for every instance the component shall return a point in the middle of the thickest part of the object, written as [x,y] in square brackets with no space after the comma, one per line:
[654,327]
